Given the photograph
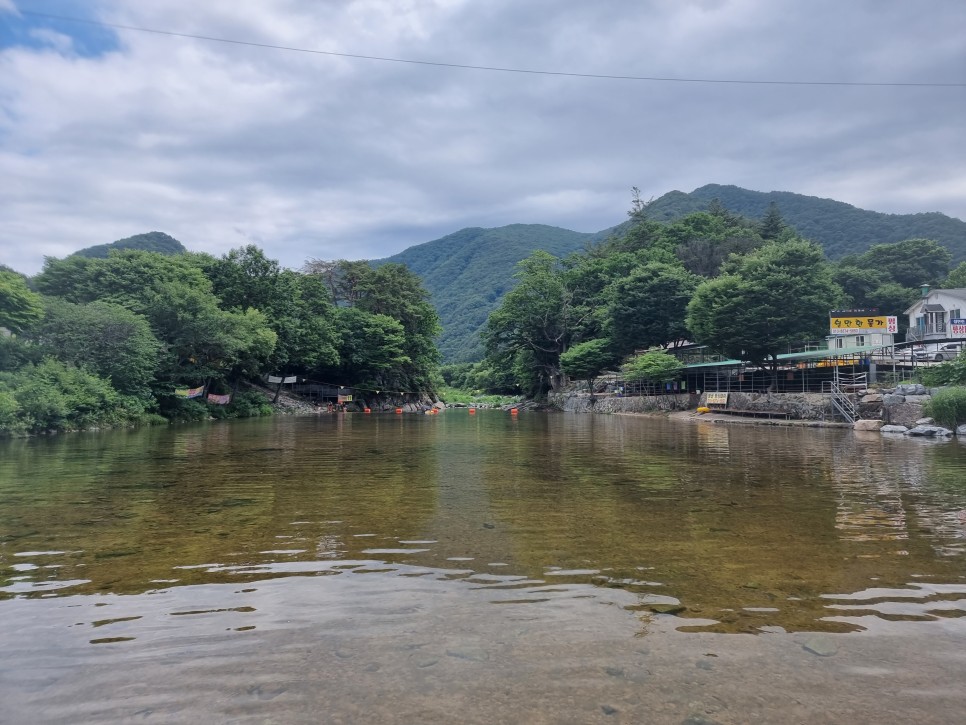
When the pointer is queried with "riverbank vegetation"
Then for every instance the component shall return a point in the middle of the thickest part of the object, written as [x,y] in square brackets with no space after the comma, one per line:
[746,289]
[138,336]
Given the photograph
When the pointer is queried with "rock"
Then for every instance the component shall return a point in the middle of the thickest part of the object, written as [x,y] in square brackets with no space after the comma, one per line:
[872,398]
[930,431]
[961,430]
[925,421]
[666,608]
[868,425]
[911,389]
[893,399]
[698,720]
[901,429]
[820,646]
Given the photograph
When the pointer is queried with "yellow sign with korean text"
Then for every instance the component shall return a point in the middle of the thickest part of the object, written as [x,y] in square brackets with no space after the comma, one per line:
[858,325]
[717,399]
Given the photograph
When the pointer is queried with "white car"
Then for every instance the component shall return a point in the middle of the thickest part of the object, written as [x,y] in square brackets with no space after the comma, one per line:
[938,354]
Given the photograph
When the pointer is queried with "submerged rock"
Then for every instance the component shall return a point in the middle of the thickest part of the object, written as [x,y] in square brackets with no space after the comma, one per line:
[900,429]
[820,646]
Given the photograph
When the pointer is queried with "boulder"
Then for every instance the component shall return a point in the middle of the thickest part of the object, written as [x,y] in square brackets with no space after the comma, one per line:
[867,425]
[900,429]
[918,399]
[925,421]
[893,399]
[871,398]
[961,430]
[911,389]
[930,431]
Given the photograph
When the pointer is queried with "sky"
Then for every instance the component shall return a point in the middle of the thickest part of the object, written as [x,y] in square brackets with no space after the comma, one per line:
[296,137]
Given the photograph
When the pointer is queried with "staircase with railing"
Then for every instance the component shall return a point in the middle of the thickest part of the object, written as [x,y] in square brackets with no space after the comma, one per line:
[840,390]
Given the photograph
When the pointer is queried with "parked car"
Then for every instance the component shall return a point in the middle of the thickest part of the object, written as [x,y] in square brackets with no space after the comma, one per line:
[943,352]
[909,352]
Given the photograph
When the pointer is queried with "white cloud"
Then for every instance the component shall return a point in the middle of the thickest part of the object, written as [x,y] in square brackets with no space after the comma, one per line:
[316,155]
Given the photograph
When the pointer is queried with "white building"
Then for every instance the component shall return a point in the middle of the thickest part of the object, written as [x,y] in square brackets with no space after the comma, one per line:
[940,314]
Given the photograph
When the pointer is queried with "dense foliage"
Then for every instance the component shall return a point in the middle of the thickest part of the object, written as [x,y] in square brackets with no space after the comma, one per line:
[108,341]
[468,272]
[948,407]
[748,289]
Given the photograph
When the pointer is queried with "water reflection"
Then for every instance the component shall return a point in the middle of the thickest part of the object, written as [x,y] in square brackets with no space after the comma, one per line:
[746,528]
[457,559]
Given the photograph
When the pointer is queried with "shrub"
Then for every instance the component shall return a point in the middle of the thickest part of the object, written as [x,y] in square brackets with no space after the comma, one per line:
[248,404]
[55,396]
[948,407]
[949,373]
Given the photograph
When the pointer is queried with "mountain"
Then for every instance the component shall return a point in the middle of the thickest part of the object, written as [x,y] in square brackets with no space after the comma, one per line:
[467,273]
[148,242]
[840,228]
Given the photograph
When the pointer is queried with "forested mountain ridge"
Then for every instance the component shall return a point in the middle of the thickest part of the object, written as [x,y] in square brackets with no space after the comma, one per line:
[467,273]
[841,229]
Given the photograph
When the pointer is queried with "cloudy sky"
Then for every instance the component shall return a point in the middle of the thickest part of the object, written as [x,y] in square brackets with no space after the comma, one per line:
[107,132]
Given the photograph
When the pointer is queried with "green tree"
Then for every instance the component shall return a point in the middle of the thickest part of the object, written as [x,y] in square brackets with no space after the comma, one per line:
[956,278]
[587,360]
[107,339]
[19,307]
[648,307]
[772,224]
[372,348]
[296,307]
[654,366]
[910,263]
[538,317]
[201,341]
[774,297]
[392,290]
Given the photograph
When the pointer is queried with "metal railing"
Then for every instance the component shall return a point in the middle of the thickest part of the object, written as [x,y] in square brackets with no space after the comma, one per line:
[840,391]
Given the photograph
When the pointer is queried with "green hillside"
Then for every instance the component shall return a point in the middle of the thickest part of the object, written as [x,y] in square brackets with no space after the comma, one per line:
[148,242]
[840,228]
[468,271]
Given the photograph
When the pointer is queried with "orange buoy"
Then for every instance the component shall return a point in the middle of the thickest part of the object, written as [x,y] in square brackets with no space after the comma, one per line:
[472,411]
[399,410]
[513,411]
[366,410]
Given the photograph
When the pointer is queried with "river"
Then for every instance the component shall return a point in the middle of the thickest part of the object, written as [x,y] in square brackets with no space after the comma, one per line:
[482,568]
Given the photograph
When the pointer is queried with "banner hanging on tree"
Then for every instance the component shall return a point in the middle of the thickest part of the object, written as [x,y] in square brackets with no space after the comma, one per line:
[219,399]
[190,392]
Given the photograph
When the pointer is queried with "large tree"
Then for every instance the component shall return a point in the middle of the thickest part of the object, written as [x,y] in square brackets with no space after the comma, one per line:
[107,339]
[537,317]
[648,307]
[779,295]
[910,263]
[587,360]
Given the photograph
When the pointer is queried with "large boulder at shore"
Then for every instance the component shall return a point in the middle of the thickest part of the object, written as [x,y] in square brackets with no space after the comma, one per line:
[899,429]
[930,431]
[868,425]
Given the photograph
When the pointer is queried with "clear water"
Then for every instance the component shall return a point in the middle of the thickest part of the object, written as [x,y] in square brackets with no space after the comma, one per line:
[482,568]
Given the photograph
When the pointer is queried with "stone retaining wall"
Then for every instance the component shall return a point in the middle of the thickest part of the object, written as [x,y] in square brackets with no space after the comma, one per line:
[801,406]
[571,403]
